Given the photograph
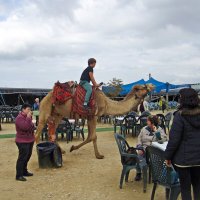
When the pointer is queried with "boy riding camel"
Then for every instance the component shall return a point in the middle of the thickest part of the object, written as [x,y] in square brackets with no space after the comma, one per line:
[85,79]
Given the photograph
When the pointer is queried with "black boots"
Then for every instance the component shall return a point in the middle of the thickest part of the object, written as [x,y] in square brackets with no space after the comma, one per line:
[20,178]
[28,174]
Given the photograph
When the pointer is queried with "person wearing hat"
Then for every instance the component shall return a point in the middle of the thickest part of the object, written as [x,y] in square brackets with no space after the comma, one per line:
[183,149]
[85,79]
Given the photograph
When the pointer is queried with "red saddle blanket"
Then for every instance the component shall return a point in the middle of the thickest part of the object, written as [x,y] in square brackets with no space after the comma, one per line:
[78,100]
[61,93]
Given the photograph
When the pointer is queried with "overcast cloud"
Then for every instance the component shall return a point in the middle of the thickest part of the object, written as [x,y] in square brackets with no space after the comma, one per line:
[42,41]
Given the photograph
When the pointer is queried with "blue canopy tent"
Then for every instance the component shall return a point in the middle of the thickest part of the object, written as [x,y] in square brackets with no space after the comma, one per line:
[159,86]
[127,88]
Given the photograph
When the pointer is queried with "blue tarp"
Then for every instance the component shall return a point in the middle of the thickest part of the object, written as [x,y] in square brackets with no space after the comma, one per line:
[127,88]
[159,86]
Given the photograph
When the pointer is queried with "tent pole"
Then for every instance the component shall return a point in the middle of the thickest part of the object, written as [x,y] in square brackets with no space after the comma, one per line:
[21,98]
[18,102]
[167,100]
[167,95]
[4,103]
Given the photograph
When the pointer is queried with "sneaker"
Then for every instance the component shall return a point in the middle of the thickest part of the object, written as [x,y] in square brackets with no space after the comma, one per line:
[138,177]
[86,107]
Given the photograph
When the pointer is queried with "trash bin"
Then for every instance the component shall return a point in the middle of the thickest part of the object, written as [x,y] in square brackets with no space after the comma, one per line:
[49,155]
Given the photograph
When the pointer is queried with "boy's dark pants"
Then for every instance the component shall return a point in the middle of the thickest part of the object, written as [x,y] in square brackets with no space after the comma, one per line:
[25,152]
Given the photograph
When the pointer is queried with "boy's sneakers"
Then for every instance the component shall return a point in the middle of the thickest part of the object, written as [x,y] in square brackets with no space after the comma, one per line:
[85,106]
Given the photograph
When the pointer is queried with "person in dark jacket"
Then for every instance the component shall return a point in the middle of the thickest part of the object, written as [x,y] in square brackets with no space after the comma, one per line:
[24,141]
[183,149]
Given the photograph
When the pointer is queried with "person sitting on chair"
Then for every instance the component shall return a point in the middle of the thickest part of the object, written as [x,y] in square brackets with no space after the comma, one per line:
[150,133]
[85,79]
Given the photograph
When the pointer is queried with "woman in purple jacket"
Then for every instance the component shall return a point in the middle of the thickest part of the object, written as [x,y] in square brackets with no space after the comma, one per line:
[24,141]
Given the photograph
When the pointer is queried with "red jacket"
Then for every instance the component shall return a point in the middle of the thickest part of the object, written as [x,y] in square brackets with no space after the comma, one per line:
[24,128]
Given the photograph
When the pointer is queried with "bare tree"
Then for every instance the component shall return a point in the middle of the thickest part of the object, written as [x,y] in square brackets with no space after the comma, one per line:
[115,87]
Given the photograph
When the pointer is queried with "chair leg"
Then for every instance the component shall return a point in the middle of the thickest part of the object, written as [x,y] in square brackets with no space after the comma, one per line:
[126,177]
[114,129]
[165,130]
[144,171]
[153,191]
[149,174]
[122,177]
[71,135]
[68,136]
[78,134]
[174,193]
[82,134]
[42,136]
[167,192]
[46,136]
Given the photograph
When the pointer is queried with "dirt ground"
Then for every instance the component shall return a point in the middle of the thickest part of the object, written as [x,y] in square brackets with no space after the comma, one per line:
[82,176]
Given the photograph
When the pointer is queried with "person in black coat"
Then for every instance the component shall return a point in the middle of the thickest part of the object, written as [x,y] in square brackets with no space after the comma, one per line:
[183,149]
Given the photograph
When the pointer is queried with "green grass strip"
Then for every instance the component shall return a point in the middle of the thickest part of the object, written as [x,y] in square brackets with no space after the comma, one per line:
[7,135]
[97,130]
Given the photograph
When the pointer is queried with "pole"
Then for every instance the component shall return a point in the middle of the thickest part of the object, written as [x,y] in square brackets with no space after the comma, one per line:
[3,99]
[167,95]
[149,75]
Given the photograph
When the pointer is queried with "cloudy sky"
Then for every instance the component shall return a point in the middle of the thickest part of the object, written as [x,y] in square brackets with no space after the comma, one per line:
[42,41]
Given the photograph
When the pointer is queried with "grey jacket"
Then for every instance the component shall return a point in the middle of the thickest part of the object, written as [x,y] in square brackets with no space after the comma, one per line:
[147,136]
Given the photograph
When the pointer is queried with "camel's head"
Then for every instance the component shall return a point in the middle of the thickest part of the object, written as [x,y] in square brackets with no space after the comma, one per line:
[140,91]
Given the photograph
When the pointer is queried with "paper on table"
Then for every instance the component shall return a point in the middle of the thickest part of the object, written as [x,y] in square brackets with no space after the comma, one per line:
[72,121]
[160,146]
[119,118]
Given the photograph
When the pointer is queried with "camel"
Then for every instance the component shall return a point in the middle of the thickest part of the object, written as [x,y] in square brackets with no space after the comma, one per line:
[105,106]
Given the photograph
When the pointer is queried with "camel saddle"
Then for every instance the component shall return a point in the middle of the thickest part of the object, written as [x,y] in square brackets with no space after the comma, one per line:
[78,100]
[62,92]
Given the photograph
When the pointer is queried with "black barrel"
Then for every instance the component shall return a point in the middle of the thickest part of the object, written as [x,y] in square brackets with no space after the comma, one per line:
[49,155]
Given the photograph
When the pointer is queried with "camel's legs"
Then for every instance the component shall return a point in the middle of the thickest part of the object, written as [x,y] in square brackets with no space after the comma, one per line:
[97,154]
[91,137]
[94,138]
[57,121]
[41,125]
[43,117]
[84,142]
